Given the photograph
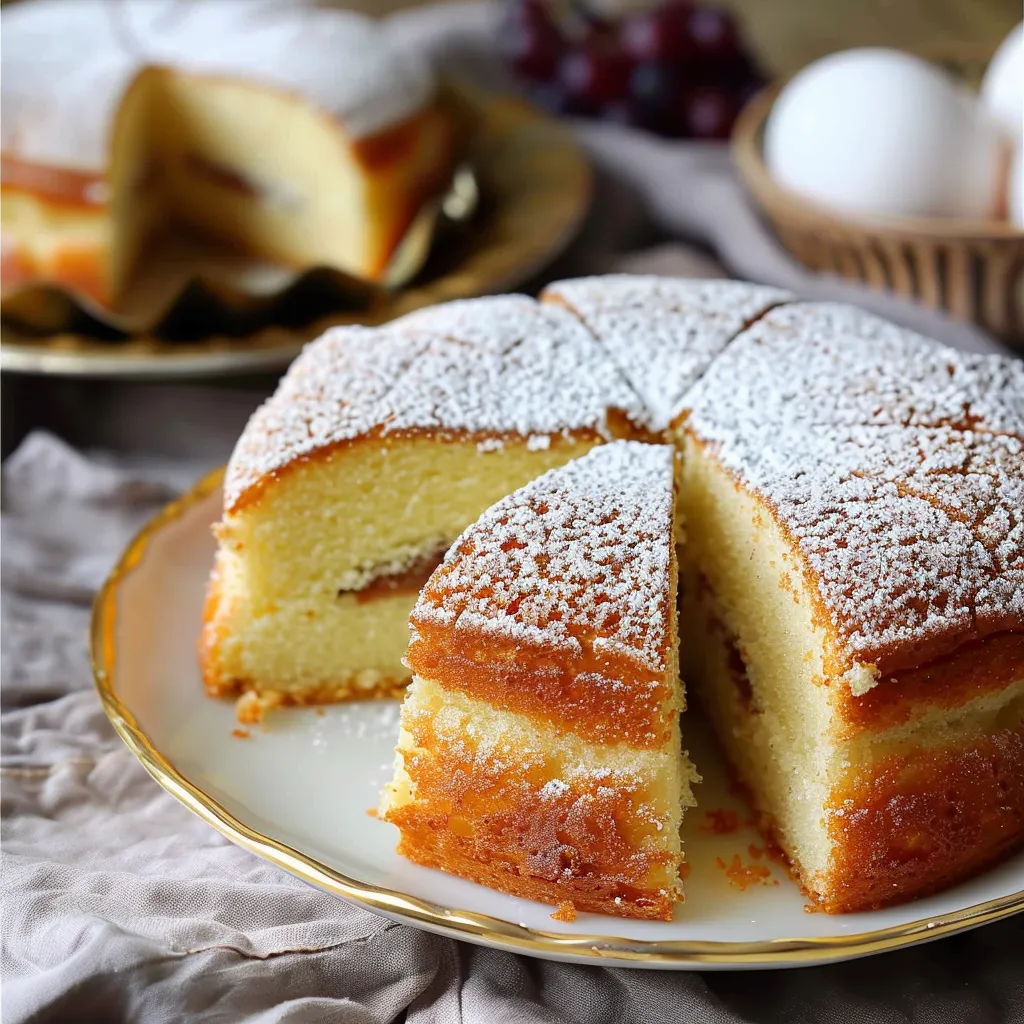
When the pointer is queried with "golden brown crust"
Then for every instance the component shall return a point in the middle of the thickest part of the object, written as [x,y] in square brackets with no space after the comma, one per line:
[491,822]
[216,623]
[912,824]
[415,157]
[918,822]
[546,686]
[973,670]
[63,186]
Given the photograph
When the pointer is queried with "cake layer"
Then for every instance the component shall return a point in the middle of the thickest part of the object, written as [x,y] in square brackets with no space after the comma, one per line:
[545,758]
[878,819]
[202,150]
[377,504]
[295,610]
[309,649]
[504,800]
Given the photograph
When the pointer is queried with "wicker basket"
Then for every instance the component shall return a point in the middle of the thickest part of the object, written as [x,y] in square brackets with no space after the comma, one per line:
[973,270]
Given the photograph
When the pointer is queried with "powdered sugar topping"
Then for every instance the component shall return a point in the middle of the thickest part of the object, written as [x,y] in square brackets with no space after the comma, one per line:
[663,332]
[579,558]
[896,463]
[488,368]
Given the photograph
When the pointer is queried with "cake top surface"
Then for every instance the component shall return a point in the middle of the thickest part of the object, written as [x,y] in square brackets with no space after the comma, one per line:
[489,367]
[896,464]
[578,559]
[663,332]
[342,62]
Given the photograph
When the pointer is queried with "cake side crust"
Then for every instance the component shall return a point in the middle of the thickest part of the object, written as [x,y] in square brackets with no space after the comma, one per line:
[496,798]
[918,821]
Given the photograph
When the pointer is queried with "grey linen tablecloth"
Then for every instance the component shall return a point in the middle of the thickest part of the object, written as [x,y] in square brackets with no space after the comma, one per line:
[118,904]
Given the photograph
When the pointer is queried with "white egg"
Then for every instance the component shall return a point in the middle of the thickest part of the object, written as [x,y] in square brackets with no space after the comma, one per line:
[1002,88]
[1015,186]
[879,132]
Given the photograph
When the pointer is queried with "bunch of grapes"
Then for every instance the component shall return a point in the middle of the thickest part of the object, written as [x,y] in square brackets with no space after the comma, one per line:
[679,69]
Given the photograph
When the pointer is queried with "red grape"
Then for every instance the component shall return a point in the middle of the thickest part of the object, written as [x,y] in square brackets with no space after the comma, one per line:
[660,34]
[654,88]
[712,32]
[555,98]
[708,112]
[595,75]
[531,45]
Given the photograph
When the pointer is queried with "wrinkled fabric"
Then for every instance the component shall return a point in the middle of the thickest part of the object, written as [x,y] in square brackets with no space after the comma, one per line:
[120,905]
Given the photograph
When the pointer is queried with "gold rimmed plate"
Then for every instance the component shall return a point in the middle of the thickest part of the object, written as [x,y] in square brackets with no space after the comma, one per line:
[528,184]
[297,791]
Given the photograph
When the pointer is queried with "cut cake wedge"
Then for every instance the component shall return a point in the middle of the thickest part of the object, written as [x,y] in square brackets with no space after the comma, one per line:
[540,744]
[853,596]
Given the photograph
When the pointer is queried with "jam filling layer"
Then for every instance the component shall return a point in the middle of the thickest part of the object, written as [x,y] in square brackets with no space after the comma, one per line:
[409,580]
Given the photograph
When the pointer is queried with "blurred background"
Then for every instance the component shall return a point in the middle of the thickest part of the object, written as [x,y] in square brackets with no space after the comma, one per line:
[789,34]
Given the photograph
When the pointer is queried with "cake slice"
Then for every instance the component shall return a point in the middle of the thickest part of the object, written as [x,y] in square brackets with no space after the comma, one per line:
[853,596]
[540,747]
[379,447]
[663,332]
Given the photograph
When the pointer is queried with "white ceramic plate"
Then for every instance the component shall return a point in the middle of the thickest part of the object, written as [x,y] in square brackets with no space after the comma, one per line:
[298,790]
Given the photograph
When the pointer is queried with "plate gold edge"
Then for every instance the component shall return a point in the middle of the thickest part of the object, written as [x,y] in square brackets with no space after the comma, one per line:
[466,924]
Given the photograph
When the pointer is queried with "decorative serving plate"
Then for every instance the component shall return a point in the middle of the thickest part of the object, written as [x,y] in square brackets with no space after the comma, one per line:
[300,790]
[534,190]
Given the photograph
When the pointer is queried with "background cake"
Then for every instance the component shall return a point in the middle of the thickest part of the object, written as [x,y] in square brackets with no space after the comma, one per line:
[299,135]
[540,748]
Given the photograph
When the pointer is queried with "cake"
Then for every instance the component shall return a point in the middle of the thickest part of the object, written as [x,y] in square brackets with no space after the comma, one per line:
[540,748]
[852,582]
[347,487]
[299,135]
[853,596]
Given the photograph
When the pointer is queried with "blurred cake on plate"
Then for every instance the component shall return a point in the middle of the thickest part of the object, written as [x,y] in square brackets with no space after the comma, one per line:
[299,135]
